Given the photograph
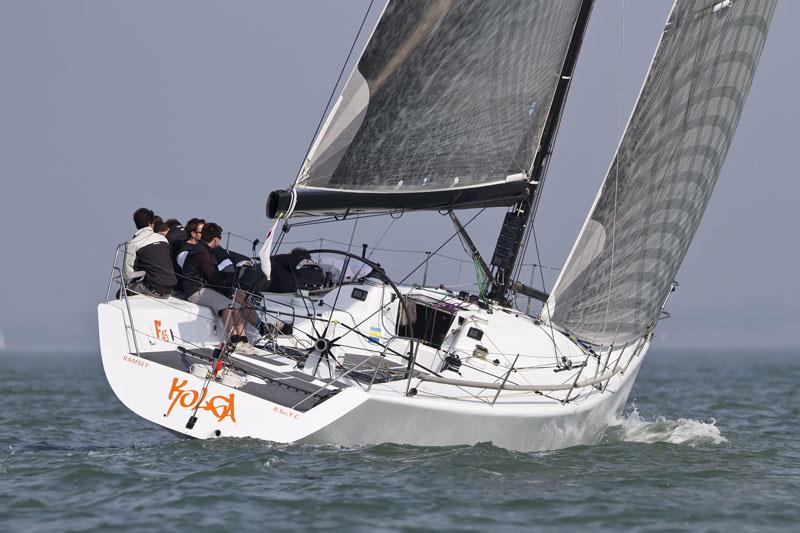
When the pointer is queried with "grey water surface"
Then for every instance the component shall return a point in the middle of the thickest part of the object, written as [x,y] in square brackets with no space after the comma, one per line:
[709,441]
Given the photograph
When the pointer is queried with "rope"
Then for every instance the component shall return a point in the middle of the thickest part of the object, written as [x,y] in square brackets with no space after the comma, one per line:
[326,220]
[482,285]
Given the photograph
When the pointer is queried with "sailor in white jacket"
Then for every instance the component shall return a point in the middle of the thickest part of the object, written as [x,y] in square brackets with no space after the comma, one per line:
[144,236]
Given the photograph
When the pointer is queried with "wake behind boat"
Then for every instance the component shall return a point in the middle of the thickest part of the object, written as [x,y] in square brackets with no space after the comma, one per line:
[456,105]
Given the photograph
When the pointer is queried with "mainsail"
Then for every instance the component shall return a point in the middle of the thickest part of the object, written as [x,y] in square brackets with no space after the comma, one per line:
[621,268]
[445,109]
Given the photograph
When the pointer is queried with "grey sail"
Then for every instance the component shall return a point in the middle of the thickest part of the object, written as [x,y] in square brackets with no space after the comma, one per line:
[650,204]
[445,108]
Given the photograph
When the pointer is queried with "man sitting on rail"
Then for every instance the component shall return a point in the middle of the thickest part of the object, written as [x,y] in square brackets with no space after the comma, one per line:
[205,284]
[182,249]
[148,253]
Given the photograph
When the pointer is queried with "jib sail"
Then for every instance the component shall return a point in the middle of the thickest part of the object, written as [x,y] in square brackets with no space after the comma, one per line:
[622,265]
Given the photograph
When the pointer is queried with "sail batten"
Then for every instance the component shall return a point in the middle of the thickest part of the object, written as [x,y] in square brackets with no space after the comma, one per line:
[650,204]
[447,95]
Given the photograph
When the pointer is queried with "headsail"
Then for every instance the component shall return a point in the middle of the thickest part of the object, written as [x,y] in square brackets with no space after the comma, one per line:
[650,204]
[445,109]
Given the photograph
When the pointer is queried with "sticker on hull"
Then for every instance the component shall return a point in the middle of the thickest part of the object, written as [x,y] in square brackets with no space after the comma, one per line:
[375,334]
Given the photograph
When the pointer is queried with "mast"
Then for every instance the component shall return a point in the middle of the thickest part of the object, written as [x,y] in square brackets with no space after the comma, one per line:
[517,219]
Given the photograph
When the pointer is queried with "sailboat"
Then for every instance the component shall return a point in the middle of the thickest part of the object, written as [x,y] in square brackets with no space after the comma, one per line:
[456,105]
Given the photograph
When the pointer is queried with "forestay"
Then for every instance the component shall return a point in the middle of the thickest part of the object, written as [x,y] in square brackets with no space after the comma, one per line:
[621,268]
[445,109]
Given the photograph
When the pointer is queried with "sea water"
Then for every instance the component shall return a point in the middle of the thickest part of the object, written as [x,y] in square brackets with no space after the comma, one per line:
[709,441]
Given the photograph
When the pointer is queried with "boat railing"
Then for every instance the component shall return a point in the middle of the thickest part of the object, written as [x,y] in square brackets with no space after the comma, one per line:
[505,379]
[411,356]
[408,353]
[116,272]
[599,381]
[271,307]
[367,362]
[125,290]
[118,275]
[505,386]
[341,376]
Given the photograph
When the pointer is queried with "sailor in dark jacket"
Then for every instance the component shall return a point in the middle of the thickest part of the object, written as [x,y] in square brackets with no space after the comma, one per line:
[295,270]
[176,232]
[181,247]
[200,267]
[154,258]
[205,284]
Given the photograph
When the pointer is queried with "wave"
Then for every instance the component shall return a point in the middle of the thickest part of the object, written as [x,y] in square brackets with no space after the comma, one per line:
[633,428]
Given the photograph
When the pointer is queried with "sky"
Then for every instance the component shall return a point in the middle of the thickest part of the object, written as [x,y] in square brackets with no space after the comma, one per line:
[201,108]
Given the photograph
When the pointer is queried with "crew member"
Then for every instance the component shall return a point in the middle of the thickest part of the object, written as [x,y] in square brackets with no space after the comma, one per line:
[150,254]
[204,284]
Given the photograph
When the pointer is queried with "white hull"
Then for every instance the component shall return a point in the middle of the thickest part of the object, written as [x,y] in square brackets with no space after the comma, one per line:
[162,390]
[434,423]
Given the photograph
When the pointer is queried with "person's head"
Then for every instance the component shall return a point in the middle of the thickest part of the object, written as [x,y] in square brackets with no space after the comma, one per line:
[301,253]
[194,229]
[159,226]
[212,234]
[173,223]
[143,217]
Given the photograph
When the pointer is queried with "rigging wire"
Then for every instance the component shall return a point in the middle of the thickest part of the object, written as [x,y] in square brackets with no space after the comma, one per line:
[616,160]
[341,279]
[380,239]
[267,312]
[544,288]
[333,90]
[428,258]
[375,248]
[409,251]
